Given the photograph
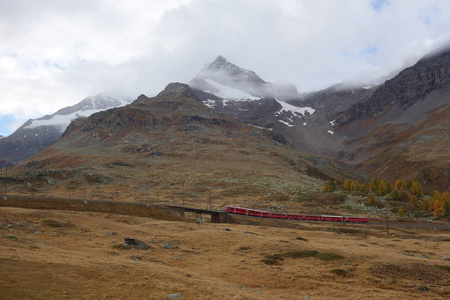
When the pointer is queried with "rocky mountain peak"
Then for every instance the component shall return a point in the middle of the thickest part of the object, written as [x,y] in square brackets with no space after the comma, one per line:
[222,70]
[178,89]
[219,63]
[229,81]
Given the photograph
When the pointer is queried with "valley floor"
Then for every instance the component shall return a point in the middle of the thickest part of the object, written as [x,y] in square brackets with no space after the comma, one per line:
[47,254]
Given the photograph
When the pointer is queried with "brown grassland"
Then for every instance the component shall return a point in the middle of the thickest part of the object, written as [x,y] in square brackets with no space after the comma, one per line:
[55,254]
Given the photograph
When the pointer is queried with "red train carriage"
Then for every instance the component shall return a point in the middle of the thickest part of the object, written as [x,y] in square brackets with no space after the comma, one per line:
[332,218]
[292,217]
[356,219]
[276,215]
[311,217]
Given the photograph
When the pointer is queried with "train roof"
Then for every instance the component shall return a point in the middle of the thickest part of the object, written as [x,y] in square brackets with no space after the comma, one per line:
[330,216]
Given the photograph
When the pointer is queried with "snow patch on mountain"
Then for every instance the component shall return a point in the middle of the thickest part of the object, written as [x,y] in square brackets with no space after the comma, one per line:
[286,107]
[286,123]
[62,121]
[228,92]
[210,103]
[88,106]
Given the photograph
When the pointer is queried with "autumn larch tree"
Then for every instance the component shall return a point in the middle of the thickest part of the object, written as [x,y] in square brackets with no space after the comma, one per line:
[400,184]
[413,201]
[347,184]
[363,187]
[326,187]
[333,185]
[381,188]
[373,185]
[416,189]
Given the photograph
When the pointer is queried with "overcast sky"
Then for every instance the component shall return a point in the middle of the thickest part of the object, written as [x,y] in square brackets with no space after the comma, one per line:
[54,53]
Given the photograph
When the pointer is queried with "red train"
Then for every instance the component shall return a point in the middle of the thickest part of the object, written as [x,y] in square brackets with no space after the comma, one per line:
[267,214]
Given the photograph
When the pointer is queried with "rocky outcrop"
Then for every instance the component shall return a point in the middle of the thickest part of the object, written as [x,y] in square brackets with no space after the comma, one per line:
[431,73]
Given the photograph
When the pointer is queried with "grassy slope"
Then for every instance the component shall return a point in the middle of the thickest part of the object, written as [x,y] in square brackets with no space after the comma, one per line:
[73,256]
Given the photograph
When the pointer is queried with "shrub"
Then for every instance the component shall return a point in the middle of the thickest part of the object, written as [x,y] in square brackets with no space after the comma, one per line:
[395,195]
[275,256]
[328,256]
[52,223]
[301,239]
[244,248]
[299,253]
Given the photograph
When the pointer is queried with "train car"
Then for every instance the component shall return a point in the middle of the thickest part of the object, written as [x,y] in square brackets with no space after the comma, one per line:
[356,219]
[257,213]
[265,214]
[311,217]
[276,215]
[250,212]
[292,217]
[332,218]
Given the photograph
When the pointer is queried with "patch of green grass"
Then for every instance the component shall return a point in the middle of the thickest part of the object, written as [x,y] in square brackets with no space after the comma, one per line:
[446,268]
[301,239]
[52,223]
[244,248]
[275,256]
[305,254]
[9,237]
[446,240]
[271,261]
[299,253]
[328,256]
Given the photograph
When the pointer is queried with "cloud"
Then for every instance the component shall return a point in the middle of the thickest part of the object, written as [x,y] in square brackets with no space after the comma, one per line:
[55,53]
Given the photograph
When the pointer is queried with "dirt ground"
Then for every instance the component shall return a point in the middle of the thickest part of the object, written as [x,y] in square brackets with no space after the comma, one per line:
[79,255]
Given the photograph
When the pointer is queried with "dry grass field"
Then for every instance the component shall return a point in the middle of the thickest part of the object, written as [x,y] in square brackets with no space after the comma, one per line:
[53,254]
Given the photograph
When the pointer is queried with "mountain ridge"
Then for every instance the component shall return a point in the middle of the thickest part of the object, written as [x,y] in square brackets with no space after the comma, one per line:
[37,134]
[174,137]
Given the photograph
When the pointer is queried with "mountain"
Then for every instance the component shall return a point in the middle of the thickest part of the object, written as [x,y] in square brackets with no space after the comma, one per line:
[174,138]
[378,128]
[242,94]
[402,129]
[37,134]
[228,81]
[305,120]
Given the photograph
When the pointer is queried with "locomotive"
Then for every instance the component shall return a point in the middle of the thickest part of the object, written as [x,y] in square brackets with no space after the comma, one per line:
[266,214]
